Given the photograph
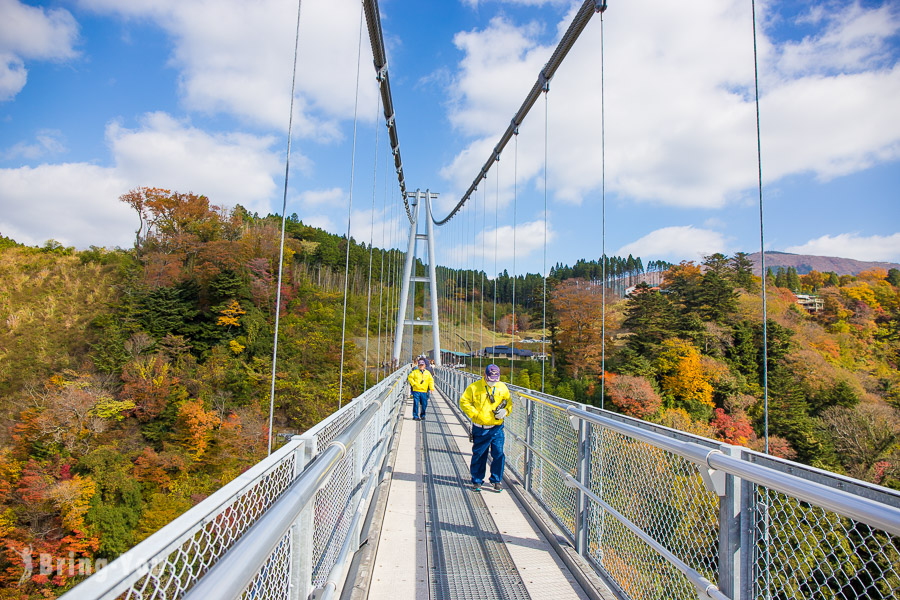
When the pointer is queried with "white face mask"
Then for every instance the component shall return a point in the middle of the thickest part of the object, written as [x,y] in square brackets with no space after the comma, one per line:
[490,383]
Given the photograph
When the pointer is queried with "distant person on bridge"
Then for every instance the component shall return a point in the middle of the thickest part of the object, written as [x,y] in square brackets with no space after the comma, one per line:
[487,402]
[421,382]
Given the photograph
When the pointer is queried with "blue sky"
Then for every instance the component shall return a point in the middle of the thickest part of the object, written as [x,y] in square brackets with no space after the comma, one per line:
[101,96]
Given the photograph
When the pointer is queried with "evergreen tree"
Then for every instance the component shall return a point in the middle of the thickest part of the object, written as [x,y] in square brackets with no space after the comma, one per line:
[717,263]
[651,319]
[793,280]
[893,277]
[743,352]
[742,271]
[716,297]
[780,278]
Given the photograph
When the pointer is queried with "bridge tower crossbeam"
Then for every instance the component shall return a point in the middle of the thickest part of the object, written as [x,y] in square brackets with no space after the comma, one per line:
[420,200]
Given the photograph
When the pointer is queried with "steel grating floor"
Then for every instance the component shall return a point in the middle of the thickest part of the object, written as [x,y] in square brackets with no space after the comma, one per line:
[467,558]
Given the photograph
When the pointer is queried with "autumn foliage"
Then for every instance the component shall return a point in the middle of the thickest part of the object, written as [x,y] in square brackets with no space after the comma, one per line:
[137,381]
[632,395]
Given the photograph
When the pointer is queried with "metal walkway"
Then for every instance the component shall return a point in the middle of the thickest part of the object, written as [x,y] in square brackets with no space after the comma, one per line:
[468,545]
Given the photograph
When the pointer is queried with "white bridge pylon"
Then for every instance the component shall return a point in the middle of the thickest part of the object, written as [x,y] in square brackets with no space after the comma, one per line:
[419,198]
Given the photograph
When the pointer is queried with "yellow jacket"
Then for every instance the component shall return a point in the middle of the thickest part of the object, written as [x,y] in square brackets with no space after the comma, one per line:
[421,381]
[478,405]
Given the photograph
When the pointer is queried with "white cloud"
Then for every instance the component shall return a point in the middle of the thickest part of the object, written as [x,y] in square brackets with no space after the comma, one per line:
[235,57]
[850,38]
[31,33]
[362,227]
[231,168]
[73,203]
[46,141]
[320,221]
[529,238]
[679,103]
[853,245]
[77,203]
[330,197]
[676,243]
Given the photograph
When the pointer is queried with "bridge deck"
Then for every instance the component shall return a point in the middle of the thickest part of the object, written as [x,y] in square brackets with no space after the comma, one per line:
[446,541]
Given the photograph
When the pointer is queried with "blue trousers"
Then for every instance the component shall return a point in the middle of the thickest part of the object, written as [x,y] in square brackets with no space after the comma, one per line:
[484,440]
[419,397]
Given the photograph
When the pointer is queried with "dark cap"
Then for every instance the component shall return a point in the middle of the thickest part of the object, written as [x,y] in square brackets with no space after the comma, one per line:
[492,373]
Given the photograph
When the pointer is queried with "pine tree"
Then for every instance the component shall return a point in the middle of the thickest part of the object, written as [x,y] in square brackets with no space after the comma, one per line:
[742,271]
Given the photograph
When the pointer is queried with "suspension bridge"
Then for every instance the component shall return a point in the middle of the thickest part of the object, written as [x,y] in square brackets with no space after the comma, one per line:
[371,504]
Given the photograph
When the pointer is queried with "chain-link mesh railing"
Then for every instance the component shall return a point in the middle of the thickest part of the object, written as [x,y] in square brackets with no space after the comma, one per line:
[172,561]
[657,522]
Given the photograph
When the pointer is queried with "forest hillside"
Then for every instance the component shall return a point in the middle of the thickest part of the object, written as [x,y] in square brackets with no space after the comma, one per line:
[134,383]
[689,355]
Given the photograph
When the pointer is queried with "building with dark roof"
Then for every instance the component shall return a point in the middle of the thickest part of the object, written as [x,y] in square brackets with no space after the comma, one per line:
[507,352]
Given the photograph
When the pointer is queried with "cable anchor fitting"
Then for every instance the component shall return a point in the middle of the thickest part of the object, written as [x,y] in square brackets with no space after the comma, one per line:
[599,6]
[381,73]
[544,81]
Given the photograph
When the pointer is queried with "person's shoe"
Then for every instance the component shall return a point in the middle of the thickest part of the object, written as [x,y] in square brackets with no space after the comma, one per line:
[415,418]
[476,487]
[497,486]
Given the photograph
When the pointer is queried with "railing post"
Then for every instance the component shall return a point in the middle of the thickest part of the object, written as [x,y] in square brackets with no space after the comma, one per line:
[529,440]
[581,501]
[302,531]
[731,514]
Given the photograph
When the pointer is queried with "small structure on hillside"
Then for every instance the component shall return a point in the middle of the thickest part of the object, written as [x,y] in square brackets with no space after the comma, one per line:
[507,352]
[812,304]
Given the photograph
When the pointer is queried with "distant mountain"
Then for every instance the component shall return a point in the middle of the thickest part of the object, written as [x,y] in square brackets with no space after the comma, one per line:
[804,263]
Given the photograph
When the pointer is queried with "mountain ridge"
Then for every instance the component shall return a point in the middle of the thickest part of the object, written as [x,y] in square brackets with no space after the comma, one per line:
[804,263]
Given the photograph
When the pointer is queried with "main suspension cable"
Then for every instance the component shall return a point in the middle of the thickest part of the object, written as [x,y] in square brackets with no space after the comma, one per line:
[376,38]
[582,17]
[287,171]
[349,214]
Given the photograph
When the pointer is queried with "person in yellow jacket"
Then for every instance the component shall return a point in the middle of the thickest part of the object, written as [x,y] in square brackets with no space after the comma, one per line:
[487,402]
[421,382]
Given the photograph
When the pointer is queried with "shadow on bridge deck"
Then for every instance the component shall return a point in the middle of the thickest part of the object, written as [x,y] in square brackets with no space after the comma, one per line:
[439,539]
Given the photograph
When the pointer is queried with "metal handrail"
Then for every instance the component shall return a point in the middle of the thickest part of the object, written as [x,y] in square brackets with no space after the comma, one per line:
[270,498]
[233,572]
[749,487]
[703,585]
[143,558]
[856,507]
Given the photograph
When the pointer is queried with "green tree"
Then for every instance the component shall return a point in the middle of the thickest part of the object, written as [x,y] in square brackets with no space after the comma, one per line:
[793,280]
[650,317]
[841,393]
[893,277]
[742,271]
[716,297]
[781,278]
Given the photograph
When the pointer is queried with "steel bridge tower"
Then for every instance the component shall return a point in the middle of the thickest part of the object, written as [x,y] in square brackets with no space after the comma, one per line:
[419,198]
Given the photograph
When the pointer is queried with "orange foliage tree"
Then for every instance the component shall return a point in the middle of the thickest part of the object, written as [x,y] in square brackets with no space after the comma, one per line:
[577,305]
[196,426]
[633,396]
